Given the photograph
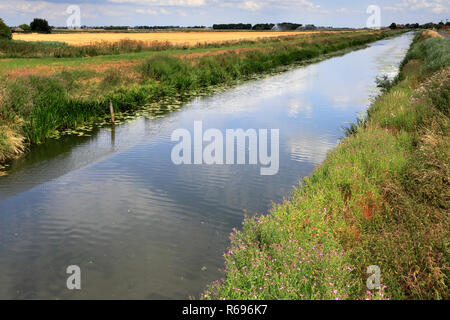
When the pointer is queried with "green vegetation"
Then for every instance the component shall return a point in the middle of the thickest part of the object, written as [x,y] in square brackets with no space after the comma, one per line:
[26,28]
[48,49]
[5,31]
[29,49]
[36,106]
[18,48]
[381,198]
[40,25]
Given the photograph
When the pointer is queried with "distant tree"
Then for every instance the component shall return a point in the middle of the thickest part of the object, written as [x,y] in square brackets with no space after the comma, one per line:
[263,26]
[25,27]
[232,26]
[116,28]
[40,25]
[429,25]
[5,31]
[286,26]
[310,27]
[441,25]
[393,26]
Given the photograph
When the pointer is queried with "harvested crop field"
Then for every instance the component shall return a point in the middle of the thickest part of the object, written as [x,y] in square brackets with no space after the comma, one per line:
[190,38]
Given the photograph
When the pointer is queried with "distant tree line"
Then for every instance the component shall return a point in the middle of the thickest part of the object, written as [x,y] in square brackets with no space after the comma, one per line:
[259,26]
[233,26]
[37,25]
[263,26]
[429,25]
[288,26]
[156,27]
[116,28]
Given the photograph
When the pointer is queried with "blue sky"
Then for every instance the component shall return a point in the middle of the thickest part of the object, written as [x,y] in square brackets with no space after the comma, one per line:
[343,13]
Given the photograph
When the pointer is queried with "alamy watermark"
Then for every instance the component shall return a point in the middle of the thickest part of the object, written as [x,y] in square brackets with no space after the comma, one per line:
[74,20]
[374,20]
[374,280]
[74,280]
[229,148]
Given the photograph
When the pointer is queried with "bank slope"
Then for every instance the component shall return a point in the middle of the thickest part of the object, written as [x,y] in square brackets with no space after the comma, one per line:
[381,198]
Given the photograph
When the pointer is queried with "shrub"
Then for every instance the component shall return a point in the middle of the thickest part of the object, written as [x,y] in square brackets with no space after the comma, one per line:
[384,83]
[5,31]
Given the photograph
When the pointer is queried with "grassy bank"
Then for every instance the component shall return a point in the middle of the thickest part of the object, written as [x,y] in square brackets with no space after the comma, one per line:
[382,197]
[34,106]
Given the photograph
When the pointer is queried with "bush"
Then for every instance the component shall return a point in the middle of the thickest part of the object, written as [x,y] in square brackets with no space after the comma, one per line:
[5,31]
[384,83]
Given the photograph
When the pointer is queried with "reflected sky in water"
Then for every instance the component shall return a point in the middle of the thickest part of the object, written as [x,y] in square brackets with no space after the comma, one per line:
[142,228]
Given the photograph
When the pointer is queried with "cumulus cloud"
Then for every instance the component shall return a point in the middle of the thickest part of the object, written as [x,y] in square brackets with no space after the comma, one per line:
[433,6]
[260,4]
[250,5]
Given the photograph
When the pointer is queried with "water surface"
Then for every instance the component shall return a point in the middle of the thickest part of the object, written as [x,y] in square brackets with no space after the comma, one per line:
[141,227]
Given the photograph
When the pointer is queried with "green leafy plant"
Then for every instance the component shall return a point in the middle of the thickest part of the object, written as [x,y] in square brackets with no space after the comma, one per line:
[5,31]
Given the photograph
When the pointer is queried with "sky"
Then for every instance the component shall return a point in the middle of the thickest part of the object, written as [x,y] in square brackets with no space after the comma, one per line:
[336,13]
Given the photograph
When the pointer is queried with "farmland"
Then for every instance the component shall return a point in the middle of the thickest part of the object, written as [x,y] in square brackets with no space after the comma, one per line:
[174,38]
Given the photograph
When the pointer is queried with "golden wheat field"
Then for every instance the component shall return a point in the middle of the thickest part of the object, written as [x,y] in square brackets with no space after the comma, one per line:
[189,38]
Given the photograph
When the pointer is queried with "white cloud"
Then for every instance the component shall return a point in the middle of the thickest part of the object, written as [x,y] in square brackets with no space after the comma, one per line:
[257,5]
[250,5]
[434,6]
[343,11]
[166,3]
[146,11]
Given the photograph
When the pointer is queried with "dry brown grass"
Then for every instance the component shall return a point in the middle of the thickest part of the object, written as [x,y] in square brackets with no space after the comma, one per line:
[430,34]
[174,38]
[14,144]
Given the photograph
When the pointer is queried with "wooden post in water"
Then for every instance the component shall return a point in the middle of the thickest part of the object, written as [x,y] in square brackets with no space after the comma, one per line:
[111,109]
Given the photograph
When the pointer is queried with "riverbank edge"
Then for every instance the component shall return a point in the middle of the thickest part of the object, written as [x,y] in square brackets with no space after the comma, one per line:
[375,209]
[13,142]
